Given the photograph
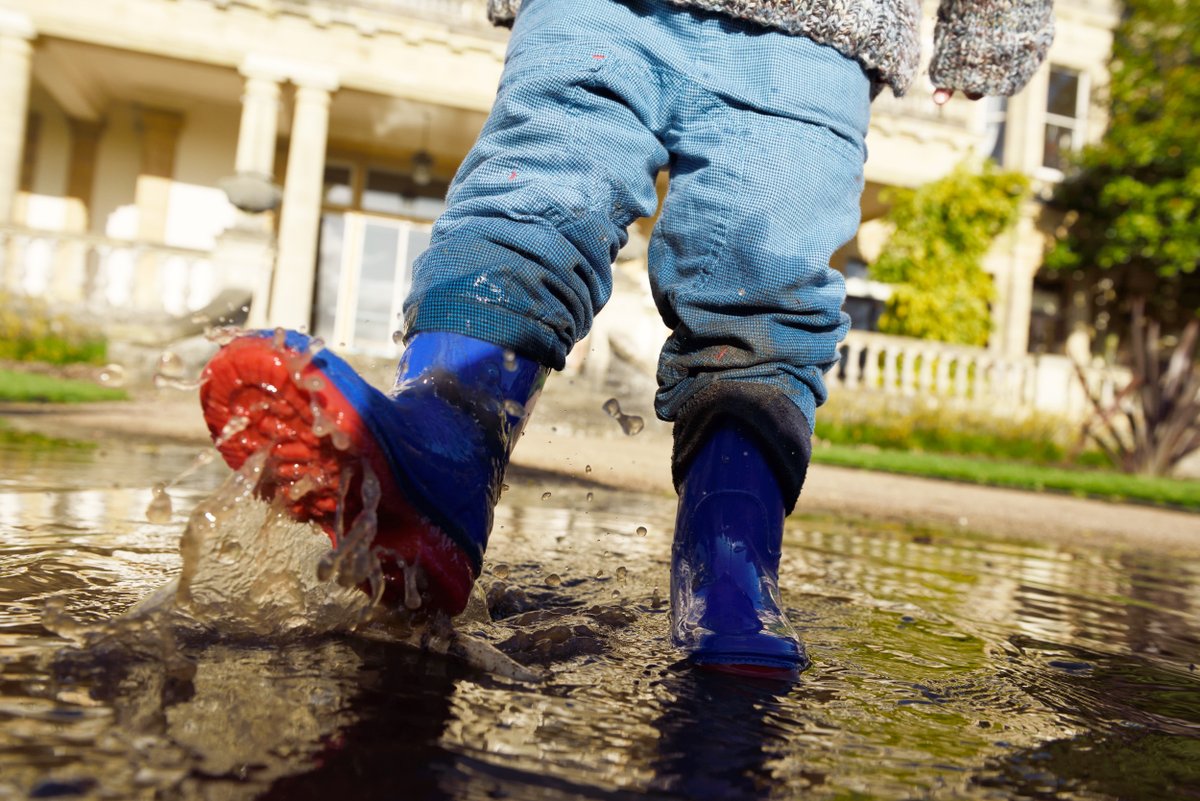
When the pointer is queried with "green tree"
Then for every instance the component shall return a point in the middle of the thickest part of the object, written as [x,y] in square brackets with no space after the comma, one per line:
[1132,202]
[934,259]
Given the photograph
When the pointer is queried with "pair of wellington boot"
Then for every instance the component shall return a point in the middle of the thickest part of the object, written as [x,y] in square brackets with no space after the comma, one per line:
[438,445]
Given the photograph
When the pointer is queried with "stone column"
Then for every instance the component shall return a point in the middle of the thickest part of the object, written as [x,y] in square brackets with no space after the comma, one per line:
[300,220]
[152,194]
[16,60]
[260,121]
[245,251]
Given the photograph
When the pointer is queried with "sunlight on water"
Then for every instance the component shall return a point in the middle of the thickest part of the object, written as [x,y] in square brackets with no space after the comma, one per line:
[945,666]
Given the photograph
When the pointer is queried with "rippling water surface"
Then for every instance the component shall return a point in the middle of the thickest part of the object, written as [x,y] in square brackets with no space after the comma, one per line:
[945,665]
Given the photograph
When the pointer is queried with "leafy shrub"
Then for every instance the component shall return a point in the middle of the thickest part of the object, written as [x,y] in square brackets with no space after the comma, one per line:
[934,259]
[30,332]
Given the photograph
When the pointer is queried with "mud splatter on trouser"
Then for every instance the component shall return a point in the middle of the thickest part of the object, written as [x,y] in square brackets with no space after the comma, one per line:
[762,133]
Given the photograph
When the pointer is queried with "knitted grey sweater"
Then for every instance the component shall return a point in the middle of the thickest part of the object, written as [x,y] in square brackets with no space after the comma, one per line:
[989,47]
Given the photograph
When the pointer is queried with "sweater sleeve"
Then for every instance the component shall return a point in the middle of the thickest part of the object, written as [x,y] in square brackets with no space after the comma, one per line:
[990,47]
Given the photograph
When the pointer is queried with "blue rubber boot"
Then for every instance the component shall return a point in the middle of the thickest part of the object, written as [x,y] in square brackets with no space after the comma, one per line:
[725,606]
[438,444]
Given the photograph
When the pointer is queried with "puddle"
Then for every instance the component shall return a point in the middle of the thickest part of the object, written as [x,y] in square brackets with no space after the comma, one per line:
[945,666]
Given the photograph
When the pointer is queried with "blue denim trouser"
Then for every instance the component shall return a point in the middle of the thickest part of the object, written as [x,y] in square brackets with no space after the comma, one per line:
[763,135]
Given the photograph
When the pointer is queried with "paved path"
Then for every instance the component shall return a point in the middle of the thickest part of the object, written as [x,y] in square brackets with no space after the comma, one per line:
[569,433]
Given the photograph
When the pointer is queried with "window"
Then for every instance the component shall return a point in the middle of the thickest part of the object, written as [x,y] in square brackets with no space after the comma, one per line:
[364,271]
[397,193]
[995,122]
[1066,115]
[339,185]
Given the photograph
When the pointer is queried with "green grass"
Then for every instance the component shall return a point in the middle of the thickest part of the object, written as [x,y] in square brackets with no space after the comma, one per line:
[32,441]
[1106,484]
[18,387]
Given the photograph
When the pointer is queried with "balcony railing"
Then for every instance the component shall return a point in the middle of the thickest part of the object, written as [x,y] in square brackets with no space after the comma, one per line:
[103,275]
[956,373]
[459,13]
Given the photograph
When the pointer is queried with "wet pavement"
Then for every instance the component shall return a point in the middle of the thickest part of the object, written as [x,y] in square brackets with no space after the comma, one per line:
[946,664]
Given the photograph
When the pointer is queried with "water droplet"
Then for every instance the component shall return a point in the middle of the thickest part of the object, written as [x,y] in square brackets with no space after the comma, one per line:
[340,440]
[622,573]
[612,407]
[159,510]
[314,383]
[545,496]
[412,596]
[741,293]
[501,571]
[222,334]
[278,338]
[322,426]
[553,580]
[504,487]
[398,337]
[170,365]
[510,360]
[165,382]
[587,468]
[234,426]
[513,409]
[228,552]
[298,489]
[600,573]
[631,424]
[112,375]
[641,531]
[590,496]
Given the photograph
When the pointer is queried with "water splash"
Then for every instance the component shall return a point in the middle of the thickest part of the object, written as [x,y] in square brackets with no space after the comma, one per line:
[159,510]
[223,334]
[631,424]
[251,571]
[171,373]
[234,426]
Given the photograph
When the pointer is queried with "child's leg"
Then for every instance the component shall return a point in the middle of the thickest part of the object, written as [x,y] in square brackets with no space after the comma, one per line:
[766,184]
[540,205]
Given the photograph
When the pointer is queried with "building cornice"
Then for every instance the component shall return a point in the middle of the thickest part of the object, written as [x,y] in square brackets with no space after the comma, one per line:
[16,24]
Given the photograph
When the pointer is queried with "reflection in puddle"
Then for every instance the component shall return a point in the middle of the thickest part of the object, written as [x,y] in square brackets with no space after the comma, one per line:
[944,666]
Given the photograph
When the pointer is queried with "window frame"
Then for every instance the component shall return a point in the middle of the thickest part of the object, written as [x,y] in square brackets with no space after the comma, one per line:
[1078,124]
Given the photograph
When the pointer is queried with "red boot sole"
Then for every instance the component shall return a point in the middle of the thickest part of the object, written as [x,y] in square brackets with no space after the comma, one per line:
[260,395]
